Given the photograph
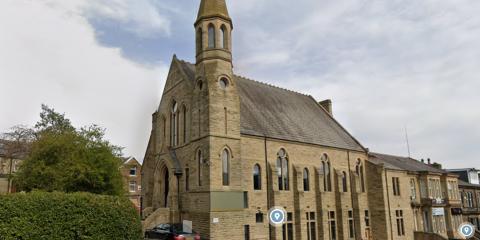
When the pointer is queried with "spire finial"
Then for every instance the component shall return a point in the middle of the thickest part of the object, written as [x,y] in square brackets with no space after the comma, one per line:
[213,8]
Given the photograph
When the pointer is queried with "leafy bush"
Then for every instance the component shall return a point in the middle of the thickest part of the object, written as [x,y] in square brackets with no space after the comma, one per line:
[42,215]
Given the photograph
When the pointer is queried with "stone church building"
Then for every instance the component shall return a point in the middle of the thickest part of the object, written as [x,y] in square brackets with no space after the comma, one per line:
[225,149]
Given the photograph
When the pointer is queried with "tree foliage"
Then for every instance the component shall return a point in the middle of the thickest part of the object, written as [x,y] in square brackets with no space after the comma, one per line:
[42,215]
[63,158]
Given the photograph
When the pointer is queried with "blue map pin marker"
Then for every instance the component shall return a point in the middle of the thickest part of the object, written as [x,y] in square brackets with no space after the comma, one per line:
[467,230]
[277,216]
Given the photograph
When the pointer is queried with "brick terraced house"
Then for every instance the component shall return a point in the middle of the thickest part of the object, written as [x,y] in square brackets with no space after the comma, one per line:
[131,171]
[225,149]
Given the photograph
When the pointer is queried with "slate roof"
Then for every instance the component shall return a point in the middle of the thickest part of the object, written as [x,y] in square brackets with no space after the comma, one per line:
[466,184]
[274,112]
[402,163]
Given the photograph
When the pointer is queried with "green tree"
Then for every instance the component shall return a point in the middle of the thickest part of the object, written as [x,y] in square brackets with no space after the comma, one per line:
[62,158]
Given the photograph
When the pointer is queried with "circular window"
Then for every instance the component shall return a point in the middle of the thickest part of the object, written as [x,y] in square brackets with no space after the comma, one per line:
[223,83]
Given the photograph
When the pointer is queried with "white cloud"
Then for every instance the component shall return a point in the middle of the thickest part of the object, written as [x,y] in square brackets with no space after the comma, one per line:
[140,17]
[50,55]
[385,64]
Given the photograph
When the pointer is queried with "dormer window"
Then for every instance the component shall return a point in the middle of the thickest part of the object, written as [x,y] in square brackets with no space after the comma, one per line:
[133,171]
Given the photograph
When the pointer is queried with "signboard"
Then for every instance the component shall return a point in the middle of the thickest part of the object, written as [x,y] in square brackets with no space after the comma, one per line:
[438,211]
[187,226]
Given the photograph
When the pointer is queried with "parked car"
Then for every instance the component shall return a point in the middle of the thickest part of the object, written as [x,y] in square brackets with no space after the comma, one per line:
[171,232]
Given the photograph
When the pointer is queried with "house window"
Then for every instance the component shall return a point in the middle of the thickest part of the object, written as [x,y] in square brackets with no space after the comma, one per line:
[247,231]
[367,218]
[257,177]
[199,166]
[311,226]
[400,223]
[413,189]
[344,182]
[332,226]
[396,186]
[259,217]
[351,226]
[187,179]
[211,36]
[225,167]
[133,171]
[174,125]
[132,186]
[282,170]
[469,199]
[287,228]
[306,180]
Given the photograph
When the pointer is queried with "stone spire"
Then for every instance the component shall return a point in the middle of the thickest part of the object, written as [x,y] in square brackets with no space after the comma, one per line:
[213,8]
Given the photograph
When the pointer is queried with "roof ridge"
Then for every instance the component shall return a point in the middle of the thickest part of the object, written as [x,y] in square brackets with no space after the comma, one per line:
[271,85]
[259,82]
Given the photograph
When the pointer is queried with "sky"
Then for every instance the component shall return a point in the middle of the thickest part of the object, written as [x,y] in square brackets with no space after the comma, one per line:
[390,67]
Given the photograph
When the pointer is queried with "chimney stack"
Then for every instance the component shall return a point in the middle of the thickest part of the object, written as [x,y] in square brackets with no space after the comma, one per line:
[429,161]
[327,105]
[423,161]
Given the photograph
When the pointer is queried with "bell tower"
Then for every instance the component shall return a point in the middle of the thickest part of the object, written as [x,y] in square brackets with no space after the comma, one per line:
[213,32]
[218,101]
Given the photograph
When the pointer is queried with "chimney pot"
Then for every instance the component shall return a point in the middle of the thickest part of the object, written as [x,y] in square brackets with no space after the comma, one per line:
[429,161]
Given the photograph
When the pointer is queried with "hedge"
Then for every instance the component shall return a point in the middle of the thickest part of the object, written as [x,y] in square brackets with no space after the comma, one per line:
[42,215]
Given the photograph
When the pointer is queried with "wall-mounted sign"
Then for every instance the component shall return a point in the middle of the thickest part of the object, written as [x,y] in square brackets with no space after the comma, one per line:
[438,211]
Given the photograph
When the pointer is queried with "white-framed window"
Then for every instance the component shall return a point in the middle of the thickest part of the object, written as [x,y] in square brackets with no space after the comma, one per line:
[132,186]
[413,189]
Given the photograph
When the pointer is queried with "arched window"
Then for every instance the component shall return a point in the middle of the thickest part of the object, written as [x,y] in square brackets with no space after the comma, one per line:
[184,120]
[199,165]
[306,180]
[211,36]
[225,167]
[199,40]
[174,124]
[327,177]
[257,177]
[360,173]
[344,182]
[223,37]
[282,170]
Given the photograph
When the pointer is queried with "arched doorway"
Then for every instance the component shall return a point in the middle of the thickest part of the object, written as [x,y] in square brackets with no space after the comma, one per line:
[166,186]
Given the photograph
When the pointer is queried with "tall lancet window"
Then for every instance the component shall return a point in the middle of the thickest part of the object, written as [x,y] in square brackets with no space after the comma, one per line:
[199,40]
[225,167]
[174,124]
[282,170]
[211,36]
[223,37]
[199,164]
[326,170]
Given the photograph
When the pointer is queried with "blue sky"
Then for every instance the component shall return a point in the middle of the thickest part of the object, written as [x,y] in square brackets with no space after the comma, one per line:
[387,65]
